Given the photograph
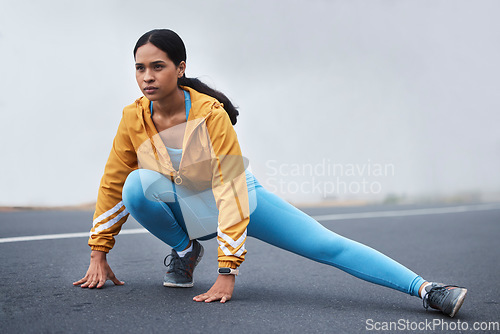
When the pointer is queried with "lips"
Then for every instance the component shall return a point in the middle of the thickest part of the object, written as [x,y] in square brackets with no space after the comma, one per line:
[150,89]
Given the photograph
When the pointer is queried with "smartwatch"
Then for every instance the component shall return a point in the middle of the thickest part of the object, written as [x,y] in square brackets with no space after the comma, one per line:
[228,271]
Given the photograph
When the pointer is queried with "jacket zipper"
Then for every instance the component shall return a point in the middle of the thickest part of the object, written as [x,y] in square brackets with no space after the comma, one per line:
[177,175]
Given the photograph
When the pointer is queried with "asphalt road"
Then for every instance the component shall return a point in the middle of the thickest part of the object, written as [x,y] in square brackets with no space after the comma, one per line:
[277,292]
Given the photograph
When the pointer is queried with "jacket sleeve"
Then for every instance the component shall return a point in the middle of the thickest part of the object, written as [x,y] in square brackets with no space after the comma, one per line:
[229,188]
[110,213]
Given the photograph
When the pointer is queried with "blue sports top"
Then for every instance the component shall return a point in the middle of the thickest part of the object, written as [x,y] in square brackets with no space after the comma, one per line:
[176,153]
[187,102]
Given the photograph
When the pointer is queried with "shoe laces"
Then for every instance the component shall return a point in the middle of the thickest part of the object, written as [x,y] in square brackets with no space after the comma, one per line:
[177,264]
[436,295]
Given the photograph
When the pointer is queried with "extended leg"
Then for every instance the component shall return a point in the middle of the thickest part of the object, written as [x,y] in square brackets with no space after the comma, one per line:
[279,223]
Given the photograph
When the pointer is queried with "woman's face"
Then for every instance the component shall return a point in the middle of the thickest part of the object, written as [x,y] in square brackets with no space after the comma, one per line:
[156,74]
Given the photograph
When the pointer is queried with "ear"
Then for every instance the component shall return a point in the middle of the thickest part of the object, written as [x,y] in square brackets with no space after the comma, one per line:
[181,69]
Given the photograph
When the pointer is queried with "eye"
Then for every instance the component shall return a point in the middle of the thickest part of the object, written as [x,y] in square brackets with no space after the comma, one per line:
[139,68]
[159,67]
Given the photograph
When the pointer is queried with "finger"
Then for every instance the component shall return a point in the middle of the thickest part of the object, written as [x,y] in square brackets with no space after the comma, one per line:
[83,280]
[198,298]
[87,282]
[212,298]
[201,297]
[92,284]
[101,283]
[117,281]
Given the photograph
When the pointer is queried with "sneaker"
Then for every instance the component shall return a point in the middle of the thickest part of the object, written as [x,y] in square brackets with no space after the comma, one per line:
[446,298]
[180,269]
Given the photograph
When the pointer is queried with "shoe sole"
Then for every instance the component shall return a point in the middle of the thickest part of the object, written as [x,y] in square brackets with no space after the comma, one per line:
[186,285]
[178,285]
[461,298]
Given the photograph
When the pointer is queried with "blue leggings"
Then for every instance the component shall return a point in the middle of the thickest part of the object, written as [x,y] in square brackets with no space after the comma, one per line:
[154,202]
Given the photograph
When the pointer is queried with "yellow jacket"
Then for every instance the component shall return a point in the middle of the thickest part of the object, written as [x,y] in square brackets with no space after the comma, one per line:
[211,158]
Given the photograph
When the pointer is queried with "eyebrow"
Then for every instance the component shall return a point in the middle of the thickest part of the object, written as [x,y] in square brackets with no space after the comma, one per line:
[153,63]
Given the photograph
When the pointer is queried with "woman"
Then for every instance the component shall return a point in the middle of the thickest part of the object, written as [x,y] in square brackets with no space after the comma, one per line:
[176,166]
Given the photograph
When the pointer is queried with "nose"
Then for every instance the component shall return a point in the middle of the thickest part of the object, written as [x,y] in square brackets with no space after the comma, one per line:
[148,76]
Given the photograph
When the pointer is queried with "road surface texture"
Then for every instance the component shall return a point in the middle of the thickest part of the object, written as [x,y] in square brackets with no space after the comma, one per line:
[276,292]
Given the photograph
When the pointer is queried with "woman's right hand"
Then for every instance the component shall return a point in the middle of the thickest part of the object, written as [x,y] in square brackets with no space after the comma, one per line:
[98,273]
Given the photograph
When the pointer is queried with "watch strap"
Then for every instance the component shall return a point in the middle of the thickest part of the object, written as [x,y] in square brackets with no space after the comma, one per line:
[228,271]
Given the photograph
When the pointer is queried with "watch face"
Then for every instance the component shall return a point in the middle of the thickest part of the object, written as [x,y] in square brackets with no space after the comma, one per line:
[224,270]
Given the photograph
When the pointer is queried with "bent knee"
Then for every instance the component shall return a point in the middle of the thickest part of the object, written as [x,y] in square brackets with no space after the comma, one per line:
[133,191]
[144,184]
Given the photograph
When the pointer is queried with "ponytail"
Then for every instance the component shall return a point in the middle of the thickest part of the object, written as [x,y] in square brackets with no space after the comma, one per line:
[201,87]
[170,43]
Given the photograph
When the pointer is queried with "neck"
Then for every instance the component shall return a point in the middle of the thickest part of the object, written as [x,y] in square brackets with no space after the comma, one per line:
[170,105]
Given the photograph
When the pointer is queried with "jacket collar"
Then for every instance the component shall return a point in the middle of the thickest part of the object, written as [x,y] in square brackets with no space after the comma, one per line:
[201,108]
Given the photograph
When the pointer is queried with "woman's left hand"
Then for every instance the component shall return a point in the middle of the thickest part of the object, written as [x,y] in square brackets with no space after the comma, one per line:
[221,290]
